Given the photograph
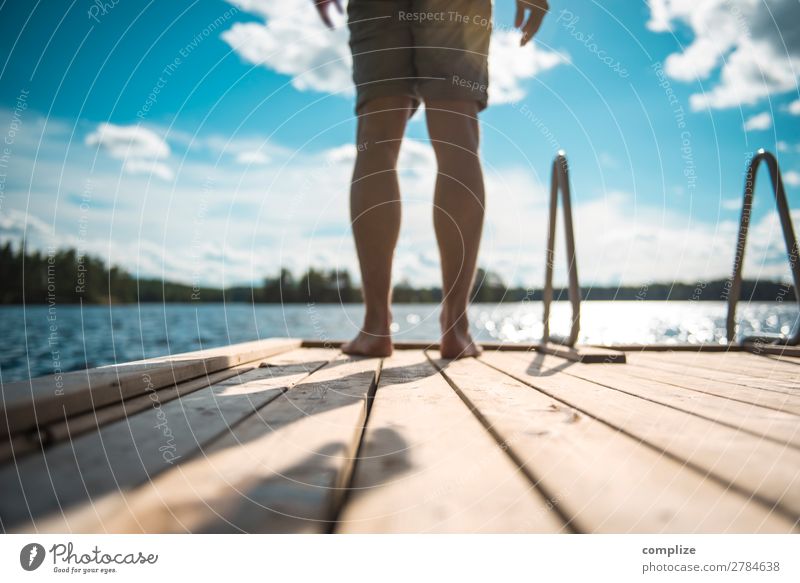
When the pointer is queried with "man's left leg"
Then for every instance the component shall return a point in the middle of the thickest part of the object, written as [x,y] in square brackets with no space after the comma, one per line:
[457,215]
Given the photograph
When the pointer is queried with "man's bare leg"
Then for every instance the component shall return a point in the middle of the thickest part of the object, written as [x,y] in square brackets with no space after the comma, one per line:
[457,216]
[375,215]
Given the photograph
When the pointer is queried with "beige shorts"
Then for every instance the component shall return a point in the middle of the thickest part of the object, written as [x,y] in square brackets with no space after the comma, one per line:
[426,49]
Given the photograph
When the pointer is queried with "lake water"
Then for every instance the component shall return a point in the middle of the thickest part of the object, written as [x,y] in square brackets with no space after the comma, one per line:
[97,335]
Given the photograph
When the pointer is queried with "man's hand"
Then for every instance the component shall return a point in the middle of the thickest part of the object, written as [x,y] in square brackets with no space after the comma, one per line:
[536,10]
[322,8]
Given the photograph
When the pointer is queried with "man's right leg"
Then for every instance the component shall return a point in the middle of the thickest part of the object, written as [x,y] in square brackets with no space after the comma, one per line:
[375,215]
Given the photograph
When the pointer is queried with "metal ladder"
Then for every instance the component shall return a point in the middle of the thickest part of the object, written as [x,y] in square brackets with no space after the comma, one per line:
[788,237]
[559,181]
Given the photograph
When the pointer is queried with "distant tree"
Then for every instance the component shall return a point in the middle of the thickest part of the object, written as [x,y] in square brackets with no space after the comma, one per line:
[488,287]
[65,276]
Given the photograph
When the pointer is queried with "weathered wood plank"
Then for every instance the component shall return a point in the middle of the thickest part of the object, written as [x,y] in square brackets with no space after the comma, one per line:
[71,427]
[72,475]
[428,465]
[35,402]
[280,470]
[743,363]
[779,401]
[787,351]
[587,354]
[690,370]
[778,426]
[602,479]
[769,471]
[792,360]
[584,354]
[673,347]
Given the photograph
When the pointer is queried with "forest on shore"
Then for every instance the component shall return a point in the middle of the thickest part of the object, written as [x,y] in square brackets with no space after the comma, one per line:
[65,276]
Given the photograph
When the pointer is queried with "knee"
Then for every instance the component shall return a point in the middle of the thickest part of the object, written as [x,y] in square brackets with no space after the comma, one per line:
[455,152]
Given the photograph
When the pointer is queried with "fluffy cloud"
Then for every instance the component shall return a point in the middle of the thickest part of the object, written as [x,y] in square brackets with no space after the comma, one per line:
[794,107]
[760,121]
[140,149]
[754,44]
[255,157]
[510,65]
[292,41]
[792,178]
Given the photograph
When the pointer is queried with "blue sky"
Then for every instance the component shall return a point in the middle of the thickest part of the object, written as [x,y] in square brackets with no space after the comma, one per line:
[210,141]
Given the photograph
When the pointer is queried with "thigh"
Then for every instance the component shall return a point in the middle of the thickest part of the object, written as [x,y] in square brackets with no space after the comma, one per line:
[382,47]
[451,53]
[453,125]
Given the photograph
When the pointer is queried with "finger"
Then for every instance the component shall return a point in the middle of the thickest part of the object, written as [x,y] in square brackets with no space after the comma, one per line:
[535,18]
[322,8]
[519,18]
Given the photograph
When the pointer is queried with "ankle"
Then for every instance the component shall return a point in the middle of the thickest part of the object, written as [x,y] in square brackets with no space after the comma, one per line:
[454,320]
[377,322]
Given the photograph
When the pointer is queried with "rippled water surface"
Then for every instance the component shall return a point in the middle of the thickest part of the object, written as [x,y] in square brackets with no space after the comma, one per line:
[34,341]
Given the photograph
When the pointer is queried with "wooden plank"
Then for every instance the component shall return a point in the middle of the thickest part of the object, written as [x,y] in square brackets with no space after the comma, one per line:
[69,428]
[32,403]
[673,347]
[602,479]
[584,354]
[422,345]
[793,360]
[769,471]
[742,363]
[403,345]
[781,427]
[72,475]
[281,470]
[688,369]
[787,351]
[428,465]
[587,354]
[779,401]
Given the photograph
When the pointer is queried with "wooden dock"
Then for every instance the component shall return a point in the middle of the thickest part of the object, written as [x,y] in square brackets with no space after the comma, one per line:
[292,436]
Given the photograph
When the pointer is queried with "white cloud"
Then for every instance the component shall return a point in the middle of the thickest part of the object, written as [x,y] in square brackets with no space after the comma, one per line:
[132,141]
[794,107]
[510,65]
[731,204]
[16,225]
[782,146]
[754,44]
[792,178]
[294,42]
[760,121]
[255,157]
[148,167]
[139,148]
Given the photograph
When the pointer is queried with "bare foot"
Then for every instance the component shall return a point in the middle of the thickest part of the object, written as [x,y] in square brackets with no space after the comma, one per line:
[457,342]
[366,344]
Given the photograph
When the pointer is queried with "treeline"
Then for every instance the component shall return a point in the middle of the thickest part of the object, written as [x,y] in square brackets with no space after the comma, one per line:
[66,277]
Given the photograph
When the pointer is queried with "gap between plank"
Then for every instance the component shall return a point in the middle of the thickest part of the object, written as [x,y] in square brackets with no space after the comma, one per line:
[602,383]
[501,442]
[706,474]
[342,494]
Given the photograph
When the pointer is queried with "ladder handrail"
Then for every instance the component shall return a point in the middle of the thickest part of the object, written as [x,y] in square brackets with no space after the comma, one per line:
[788,237]
[559,180]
